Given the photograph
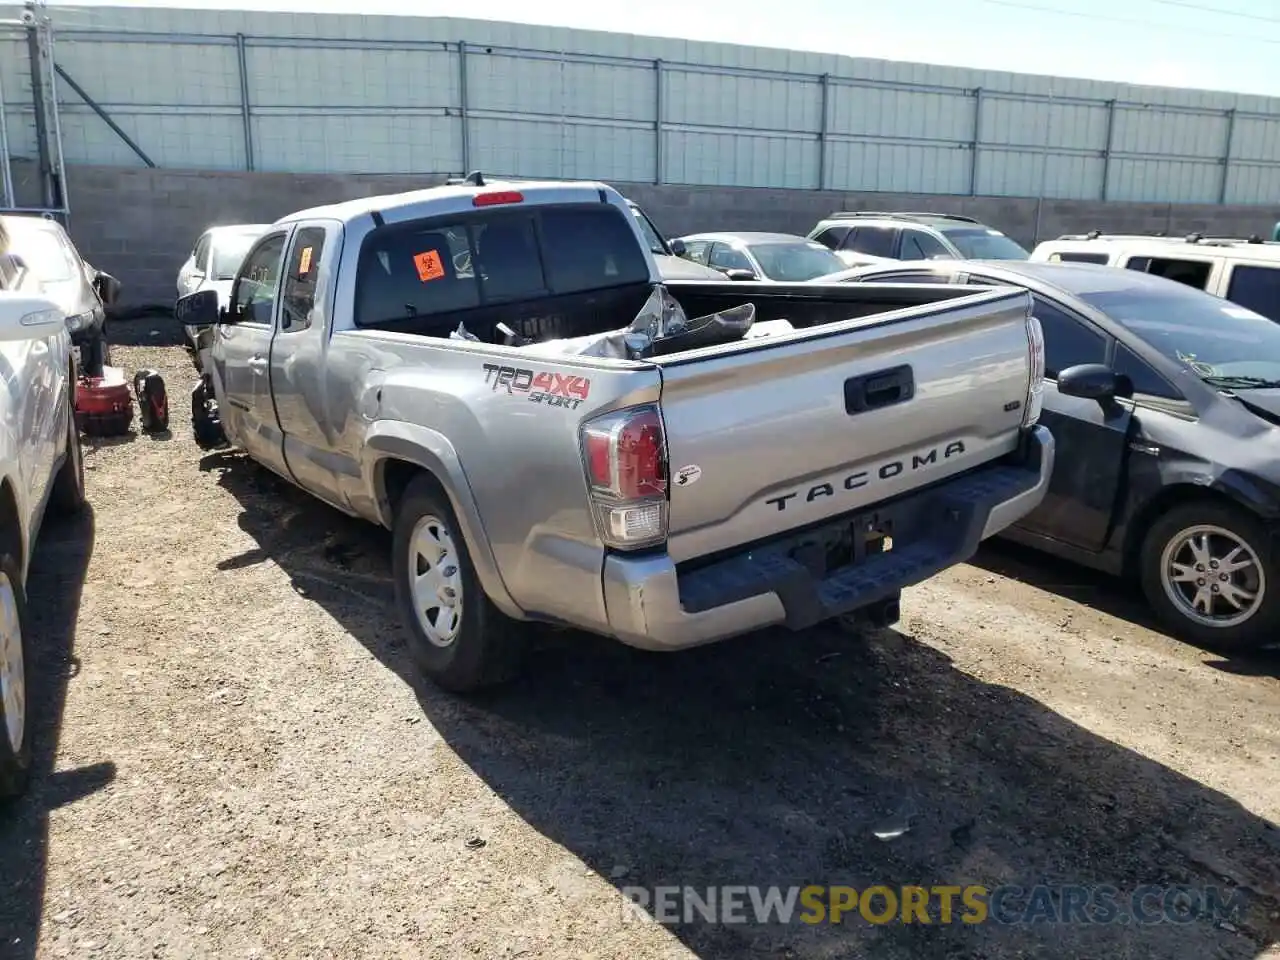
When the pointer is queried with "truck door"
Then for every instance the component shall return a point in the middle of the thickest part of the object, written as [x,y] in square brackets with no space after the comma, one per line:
[242,349]
[298,399]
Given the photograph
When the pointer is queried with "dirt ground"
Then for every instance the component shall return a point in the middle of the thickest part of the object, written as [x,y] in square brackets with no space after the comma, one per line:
[238,761]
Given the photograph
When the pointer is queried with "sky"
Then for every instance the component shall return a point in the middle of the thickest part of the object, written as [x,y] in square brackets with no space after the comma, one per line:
[1209,44]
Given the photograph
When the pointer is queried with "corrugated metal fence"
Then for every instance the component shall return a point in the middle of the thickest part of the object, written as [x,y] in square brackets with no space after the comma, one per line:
[206,100]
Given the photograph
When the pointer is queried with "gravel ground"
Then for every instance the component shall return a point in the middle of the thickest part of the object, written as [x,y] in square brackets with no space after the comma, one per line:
[238,760]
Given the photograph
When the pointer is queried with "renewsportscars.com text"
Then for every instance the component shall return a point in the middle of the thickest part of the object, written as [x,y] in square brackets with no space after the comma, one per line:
[941,904]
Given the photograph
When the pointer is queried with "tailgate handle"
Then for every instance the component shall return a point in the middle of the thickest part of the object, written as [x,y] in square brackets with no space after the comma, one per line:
[883,388]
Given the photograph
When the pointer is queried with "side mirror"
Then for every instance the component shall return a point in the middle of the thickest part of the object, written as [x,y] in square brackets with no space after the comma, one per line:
[197,309]
[24,317]
[107,288]
[677,247]
[738,273]
[1094,381]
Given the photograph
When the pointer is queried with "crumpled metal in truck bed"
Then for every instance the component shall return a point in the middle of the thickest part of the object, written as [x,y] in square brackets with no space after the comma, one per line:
[660,326]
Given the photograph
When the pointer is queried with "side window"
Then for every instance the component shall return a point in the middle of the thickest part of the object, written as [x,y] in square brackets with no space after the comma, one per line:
[254,297]
[873,241]
[299,294]
[724,257]
[1069,257]
[918,245]
[918,276]
[1145,379]
[697,251]
[1067,341]
[1194,273]
[202,256]
[1257,288]
[832,237]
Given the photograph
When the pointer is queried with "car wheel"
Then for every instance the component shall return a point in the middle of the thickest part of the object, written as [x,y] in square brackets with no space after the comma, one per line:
[1209,572]
[458,638]
[15,731]
[68,486]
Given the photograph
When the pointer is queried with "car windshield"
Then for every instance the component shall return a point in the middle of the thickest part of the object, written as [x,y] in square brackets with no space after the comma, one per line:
[797,262]
[43,251]
[1223,343]
[651,237]
[983,243]
[229,251]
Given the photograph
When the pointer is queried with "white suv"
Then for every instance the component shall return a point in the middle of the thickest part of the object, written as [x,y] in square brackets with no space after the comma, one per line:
[1245,271]
[869,237]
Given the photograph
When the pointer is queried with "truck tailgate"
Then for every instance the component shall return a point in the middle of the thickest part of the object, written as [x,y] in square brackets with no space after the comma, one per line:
[775,434]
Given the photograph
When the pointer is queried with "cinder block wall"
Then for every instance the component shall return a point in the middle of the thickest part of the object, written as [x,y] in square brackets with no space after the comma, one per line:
[139,224]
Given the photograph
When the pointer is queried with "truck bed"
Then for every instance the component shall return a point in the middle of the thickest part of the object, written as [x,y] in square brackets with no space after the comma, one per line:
[903,386]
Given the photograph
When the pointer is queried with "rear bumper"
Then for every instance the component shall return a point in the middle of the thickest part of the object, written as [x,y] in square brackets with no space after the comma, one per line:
[654,605]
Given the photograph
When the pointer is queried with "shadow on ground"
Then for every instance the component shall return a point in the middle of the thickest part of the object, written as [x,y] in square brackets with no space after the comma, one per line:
[147,327]
[54,586]
[1107,594]
[776,759]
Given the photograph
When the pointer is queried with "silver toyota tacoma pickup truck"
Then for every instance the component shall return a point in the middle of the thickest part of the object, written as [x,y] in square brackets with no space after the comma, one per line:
[497,374]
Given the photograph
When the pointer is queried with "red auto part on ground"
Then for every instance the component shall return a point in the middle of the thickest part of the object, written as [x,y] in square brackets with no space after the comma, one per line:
[104,405]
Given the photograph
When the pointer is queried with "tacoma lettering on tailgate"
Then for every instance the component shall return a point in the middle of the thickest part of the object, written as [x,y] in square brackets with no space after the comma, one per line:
[552,389]
[886,471]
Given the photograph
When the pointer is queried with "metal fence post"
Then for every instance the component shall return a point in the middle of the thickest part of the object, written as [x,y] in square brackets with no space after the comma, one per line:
[242,61]
[1226,156]
[659,137]
[976,145]
[824,85]
[1106,149]
[48,187]
[465,130]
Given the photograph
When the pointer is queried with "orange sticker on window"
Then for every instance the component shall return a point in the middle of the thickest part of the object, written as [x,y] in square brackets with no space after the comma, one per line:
[429,265]
[305,267]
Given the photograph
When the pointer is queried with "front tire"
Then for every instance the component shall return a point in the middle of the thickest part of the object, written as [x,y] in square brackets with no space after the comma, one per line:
[15,728]
[1211,575]
[458,638]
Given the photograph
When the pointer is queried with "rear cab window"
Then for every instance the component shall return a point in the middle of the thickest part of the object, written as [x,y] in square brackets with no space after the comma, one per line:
[429,275]
[1257,287]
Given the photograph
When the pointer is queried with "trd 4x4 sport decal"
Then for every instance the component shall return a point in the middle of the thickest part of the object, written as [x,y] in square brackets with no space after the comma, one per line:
[552,389]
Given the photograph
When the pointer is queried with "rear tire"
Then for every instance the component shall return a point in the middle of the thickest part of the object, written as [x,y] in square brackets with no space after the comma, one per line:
[1213,545]
[15,726]
[206,426]
[458,638]
[68,495]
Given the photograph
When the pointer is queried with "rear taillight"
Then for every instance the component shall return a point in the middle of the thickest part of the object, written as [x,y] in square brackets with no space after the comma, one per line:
[1035,386]
[625,456]
[496,197]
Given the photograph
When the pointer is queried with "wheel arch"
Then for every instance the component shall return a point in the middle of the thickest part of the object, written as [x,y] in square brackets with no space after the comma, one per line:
[12,532]
[1166,499]
[396,461]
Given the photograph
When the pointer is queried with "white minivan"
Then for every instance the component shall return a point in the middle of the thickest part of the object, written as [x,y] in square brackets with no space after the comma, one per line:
[1245,271]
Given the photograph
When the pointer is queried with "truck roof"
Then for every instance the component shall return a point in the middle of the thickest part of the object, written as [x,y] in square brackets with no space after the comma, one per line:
[535,191]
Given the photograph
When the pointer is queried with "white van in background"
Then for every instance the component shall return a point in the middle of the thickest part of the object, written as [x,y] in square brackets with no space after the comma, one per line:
[1245,271]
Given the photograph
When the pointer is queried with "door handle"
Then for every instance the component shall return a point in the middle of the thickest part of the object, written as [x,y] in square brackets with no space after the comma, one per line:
[258,364]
